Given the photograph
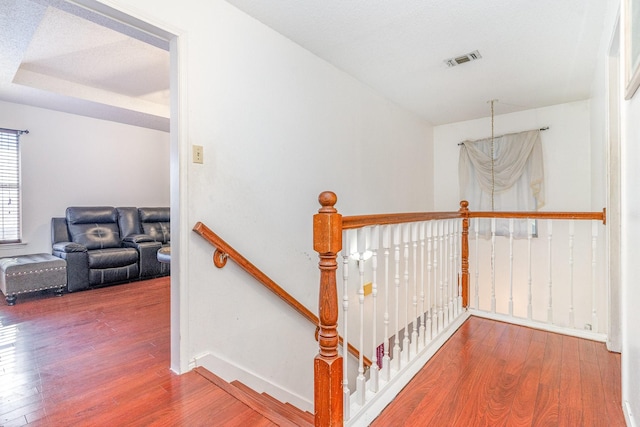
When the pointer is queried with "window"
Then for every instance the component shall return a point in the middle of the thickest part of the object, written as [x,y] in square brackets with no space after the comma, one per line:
[10,227]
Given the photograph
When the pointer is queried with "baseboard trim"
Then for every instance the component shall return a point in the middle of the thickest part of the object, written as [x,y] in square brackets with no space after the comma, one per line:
[229,372]
[628,415]
[579,333]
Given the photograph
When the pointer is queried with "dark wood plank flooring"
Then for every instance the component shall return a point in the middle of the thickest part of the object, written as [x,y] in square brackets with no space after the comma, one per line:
[101,358]
[496,374]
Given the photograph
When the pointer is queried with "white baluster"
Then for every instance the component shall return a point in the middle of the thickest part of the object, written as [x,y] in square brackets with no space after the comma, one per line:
[374,369]
[396,247]
[477,271]
[423,314]
[346,251]
[458,263]
[386,244]
[452,271]
[436,282]
[529,277]
[571,235]
[550,303]
[405,340]
[493,265]
[416,319]
[594,254]
[510,266]
[361,380]
[428,323]
[444,247]
[441,276]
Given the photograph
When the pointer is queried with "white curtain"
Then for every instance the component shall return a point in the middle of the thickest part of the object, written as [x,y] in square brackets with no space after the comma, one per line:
[516,182]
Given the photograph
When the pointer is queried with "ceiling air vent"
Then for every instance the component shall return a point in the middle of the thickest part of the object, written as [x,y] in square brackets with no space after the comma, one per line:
[452,62]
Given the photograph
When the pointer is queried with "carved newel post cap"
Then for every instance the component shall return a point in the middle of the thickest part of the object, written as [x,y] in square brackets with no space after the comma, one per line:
[327,200]
[464,204]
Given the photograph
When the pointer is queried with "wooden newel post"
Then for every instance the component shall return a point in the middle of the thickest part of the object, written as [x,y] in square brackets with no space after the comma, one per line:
[327,241]
[464,211]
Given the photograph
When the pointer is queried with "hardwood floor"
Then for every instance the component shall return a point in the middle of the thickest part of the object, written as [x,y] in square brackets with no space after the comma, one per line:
[101,358]
[496,374]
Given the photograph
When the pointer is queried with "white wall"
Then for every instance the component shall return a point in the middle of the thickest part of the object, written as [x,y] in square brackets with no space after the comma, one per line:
[630,265]
[278,126]
[566,151]
[70,160]
[630,153]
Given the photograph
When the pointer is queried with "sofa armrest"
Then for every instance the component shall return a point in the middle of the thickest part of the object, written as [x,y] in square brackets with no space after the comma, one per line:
[68,247]
[77,264]
[137,238]
[147,257]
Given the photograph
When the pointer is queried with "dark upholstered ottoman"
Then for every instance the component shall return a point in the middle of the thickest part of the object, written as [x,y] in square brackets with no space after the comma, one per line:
[30,273]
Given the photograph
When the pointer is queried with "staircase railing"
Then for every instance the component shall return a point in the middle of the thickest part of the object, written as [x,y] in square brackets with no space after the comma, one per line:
[545,270]
[225,251]
[431,281]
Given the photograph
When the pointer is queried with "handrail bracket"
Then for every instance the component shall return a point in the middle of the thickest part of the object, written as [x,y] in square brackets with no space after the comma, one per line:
[220,258]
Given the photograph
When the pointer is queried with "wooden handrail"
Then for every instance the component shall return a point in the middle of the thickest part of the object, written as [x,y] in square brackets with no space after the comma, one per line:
[224,250]
[358,221]
[599,216]
[351,222]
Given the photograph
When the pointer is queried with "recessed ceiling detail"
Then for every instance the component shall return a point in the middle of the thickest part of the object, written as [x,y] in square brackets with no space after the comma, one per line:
[462,59]
[68,63]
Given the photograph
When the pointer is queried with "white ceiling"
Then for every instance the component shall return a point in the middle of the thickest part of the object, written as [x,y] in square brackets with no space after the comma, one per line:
[534,53]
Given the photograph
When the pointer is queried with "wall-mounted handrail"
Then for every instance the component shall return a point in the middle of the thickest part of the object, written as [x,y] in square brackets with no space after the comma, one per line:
[224,251]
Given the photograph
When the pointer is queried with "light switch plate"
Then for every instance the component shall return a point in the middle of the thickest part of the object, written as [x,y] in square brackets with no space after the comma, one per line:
[197,154]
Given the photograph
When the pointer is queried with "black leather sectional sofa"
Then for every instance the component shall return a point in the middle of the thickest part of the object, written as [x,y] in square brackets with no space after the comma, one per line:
[105,245]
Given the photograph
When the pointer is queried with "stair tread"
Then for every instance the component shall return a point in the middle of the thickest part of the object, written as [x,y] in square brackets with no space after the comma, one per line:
[277,413]
[290,411]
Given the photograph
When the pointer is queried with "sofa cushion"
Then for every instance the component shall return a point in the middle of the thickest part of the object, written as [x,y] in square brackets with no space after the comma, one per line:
[111,258]
[156,223]
[128,221]
[94,227]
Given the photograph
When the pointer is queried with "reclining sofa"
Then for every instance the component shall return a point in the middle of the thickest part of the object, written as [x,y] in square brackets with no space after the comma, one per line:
[105,245]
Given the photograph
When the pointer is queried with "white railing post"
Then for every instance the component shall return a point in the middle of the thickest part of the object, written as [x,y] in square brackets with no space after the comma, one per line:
[493,265]
[406,348]
[386,244]
[549,243]
[423,314]
[396,246]
[571,235]
[477,266]
[346,251]
[416,318]
[360,380]
[452,287]
[594,279]
[430,299]
[445,269]
[373,370]
[440,272]
[458,262]
[529,276]
[510,266]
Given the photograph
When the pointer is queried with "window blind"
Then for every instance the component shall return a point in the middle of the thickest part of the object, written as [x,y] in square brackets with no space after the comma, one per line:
[9,186]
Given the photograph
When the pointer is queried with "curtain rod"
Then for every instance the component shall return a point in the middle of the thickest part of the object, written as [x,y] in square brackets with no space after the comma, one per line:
[544,128]
[18,131]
